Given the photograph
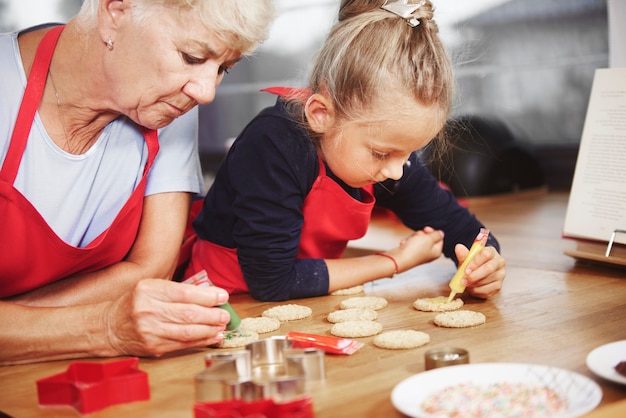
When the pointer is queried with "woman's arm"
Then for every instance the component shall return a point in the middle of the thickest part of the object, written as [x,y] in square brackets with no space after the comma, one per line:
[114,312]
[154,254]
[154,317]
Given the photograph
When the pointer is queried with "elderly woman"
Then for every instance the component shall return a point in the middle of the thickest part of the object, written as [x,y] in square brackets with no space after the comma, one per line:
[98,155]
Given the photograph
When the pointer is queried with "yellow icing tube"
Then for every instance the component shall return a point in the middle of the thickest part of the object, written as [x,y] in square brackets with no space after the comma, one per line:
[479,243]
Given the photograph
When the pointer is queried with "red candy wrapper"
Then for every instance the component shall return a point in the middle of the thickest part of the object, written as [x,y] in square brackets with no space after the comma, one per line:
[330,344]
[199,279]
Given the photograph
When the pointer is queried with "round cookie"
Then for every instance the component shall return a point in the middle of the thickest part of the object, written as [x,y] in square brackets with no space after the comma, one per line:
[352,314]
[364,302]
[260,325]
[354,290]
[459,319]
[437,304]
[401,339]
[354,329]
[289,312]
[237,338]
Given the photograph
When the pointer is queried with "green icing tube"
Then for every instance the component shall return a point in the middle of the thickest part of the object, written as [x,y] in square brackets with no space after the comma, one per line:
[201,278]
[235,321]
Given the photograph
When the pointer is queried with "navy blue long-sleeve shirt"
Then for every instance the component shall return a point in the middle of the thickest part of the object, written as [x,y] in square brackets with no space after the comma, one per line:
[255,205]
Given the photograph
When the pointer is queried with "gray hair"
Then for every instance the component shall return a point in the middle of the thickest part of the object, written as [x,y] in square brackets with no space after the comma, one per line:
[241,24]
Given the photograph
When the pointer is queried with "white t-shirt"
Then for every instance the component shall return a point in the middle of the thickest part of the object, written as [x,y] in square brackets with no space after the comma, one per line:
[80,195]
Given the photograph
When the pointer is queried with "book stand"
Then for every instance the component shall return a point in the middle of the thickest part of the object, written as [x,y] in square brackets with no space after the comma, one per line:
[613,253]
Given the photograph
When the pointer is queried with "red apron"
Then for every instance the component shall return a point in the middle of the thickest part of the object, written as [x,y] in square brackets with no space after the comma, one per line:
[331,218]
[31,253]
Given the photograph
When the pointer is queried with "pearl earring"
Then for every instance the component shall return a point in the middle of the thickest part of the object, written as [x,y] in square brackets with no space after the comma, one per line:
[109,44]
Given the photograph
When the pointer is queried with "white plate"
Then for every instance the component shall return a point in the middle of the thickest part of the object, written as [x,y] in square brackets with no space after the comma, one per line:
[602,361]
[582,394]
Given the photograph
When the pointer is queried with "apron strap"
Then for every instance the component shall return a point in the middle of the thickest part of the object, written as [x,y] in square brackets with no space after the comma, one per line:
[151,137]
[288,93]
[30,103]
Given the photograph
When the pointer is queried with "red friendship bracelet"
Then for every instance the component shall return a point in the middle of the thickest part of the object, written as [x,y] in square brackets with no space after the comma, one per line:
[393,260]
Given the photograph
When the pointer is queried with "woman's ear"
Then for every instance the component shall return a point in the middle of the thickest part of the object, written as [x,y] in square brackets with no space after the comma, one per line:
[319,112]
[109,14]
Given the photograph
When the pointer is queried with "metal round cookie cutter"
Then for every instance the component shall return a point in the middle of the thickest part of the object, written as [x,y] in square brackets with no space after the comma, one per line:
[446,356]
[268,368]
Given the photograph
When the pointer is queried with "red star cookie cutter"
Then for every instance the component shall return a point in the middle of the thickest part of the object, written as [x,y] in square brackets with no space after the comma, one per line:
[89,387]
[298,408]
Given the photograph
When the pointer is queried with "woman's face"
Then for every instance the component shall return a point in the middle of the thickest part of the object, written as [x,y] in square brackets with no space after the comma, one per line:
[363,153]
[164,67]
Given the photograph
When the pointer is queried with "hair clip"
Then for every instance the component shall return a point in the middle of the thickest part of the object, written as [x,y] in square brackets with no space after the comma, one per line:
[403,9]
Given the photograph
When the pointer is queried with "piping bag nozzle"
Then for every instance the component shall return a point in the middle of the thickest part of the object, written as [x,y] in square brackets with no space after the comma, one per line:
[452,295]
[456,286]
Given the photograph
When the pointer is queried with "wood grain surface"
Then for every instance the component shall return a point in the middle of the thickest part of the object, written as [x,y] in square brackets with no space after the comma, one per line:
[552,311]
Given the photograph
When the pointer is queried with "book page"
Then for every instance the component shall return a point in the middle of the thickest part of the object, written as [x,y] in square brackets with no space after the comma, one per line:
[597,203]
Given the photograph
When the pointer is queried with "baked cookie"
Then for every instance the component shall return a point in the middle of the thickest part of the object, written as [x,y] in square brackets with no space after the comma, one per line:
[459,319]
[364,302]
[437,304]
[354,290]
[260,325]
[289,312]
[401,339]
[352,314]
[237,338]
[354,329]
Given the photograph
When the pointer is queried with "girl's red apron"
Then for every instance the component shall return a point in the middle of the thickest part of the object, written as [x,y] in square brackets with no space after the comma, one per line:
[31,253]
[331,218]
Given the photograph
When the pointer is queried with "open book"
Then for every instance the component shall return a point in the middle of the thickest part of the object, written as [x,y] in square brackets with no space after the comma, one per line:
[596,212]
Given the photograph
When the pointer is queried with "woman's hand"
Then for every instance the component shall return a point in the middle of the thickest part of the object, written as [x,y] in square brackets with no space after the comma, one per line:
[418,248]
[485,273]
[160,316]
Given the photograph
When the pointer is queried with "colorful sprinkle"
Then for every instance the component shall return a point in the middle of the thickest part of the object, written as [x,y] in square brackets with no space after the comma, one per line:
[505,400]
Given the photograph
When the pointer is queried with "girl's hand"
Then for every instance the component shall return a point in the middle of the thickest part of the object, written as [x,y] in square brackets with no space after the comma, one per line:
[418,248]
[485,274]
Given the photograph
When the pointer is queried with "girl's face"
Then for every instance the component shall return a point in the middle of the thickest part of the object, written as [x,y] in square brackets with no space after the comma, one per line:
[164,67]
[363,153]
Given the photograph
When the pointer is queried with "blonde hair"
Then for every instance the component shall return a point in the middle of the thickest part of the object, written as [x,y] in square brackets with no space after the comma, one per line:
[371,53]
[241,24]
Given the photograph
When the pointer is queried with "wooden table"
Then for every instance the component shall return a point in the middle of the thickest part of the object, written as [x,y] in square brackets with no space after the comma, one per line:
[552,311]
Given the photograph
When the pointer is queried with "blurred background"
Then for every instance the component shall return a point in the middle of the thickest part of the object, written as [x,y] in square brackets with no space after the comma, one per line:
[524,70]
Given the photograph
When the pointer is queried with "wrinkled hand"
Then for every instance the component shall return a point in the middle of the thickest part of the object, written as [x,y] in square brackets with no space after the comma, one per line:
[485,273]
[160,316]
[418,248]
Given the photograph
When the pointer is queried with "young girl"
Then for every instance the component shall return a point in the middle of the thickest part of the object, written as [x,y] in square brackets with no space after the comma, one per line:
[303,177]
